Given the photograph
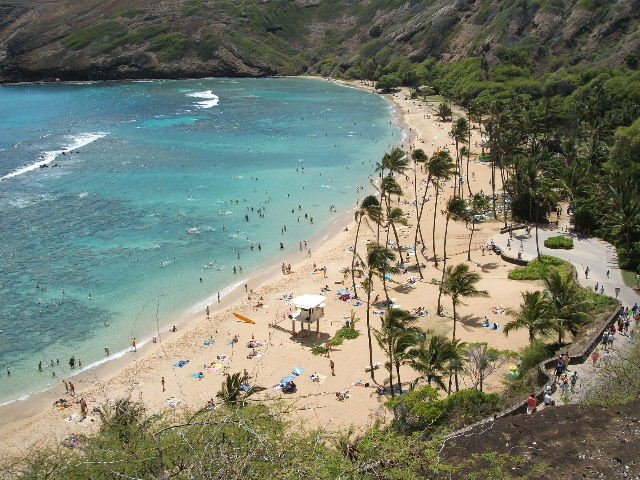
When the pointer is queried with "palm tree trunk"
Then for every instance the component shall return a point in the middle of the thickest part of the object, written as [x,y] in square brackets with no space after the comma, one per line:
[418,230]
[537,240]
[398,376]
[353,259]
[395,234]
[469,154]
[435,213]
[455,318]
[473,229]
[493,185]
[504,194]
[369,329]
[391,362]
[444,266]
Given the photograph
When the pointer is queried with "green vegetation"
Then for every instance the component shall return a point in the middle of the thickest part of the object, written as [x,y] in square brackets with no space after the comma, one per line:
[103,31]
[538,269]
[254,443]
[133,38]
[423,411]
[559,242]
[630,279]
[170,46]
[620,381]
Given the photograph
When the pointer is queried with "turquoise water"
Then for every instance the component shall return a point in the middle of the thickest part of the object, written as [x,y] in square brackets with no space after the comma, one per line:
[139,214]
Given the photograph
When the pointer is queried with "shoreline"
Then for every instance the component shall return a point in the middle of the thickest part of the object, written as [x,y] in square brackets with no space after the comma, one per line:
[138,376]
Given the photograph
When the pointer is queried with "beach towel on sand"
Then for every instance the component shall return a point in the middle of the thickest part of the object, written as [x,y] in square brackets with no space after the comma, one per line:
[297,371]
[181,363]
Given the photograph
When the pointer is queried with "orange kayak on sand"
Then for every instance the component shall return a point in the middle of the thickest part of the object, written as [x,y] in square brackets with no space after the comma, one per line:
[242,318]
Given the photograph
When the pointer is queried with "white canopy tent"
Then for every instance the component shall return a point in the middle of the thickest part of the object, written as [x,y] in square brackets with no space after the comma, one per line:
[310,308]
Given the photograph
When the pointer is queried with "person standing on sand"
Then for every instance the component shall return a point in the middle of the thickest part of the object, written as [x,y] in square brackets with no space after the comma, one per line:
[162,382]
[134,344]
[72,389]
[332,366]
[207,312]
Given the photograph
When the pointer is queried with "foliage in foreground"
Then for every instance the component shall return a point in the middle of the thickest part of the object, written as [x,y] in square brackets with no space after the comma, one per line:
[559,242]
[254,442]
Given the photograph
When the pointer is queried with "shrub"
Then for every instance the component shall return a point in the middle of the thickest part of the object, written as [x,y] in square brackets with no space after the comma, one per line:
[421,410]
[319,350]
[103,30]
[559,242]
[347,333]
[536,269]
[169,46]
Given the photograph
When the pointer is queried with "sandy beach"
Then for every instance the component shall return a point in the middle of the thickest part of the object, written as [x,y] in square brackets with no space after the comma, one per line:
[205,341]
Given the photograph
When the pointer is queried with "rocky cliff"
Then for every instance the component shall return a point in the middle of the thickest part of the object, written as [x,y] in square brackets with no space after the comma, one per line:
[97,39]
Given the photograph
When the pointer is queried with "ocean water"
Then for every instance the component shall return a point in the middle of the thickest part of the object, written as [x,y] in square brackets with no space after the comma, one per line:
[126,204]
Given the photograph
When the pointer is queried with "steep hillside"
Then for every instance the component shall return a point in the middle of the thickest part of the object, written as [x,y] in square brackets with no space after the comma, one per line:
[99,39]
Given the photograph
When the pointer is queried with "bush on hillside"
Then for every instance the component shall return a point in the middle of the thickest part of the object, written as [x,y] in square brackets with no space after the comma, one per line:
[421,410]
[559,242]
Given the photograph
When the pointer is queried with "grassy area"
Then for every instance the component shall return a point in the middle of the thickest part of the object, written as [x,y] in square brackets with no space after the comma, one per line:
[536,269]
[559,242]
[102,31]
[170,46]
[629,278]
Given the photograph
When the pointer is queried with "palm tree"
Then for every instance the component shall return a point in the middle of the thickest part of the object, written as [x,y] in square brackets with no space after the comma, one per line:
[441,168]
[456,361]
[430,357]
[569,306]
[370,210]
[478,205]
[460,283]
[235,390]
[534,314]
[624,206]
[395,162]
[419,157]
[459,131]
[380,262]
[395,336]
[396,216]
[444,111]
[456,210]
[532,178]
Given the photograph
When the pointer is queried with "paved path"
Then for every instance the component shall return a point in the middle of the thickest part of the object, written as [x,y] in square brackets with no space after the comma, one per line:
[594,253]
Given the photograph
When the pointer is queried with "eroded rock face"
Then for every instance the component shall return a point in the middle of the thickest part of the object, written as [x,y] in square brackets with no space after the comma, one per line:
[94,39]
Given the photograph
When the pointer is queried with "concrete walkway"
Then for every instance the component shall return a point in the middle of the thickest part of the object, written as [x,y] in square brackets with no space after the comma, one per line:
[600,257]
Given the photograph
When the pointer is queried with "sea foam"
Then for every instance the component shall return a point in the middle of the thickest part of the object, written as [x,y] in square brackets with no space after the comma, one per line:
[211,98]
[75,142]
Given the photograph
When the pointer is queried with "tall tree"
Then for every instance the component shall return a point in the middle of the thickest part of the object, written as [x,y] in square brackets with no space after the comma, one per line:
[459,132]
[430,358]
[534,314]
[419,159]
[441,169]
[370,210]
[456,210]
[395,336]
[380,263]
[460,283]
[569,306]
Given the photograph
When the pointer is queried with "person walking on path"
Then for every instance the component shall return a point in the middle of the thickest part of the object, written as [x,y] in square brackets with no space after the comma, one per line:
[532,404]
[595,356]
[332,366]
[574,380]
[162,382]
[586,272]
